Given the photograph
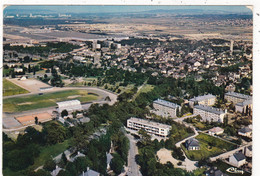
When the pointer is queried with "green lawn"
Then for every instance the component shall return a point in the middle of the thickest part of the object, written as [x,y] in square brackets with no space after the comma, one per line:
[50,151]
[10,88]
[199,172]
[29,102]
[146,88]
[210,146]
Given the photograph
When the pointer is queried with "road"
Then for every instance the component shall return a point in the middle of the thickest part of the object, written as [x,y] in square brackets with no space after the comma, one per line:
[132,168]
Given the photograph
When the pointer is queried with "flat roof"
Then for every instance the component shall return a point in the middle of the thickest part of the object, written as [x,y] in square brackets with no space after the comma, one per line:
[209,109]
[203,97]
[238,95]
[166,103]
[148,122]
[245,103]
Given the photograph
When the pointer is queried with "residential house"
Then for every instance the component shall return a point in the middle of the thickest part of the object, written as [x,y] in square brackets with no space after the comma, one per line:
[237,159]
[248,151]
[216,131]
[192,144]
[246,131]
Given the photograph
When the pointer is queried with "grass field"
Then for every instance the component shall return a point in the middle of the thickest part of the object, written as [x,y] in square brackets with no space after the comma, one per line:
[30,102]
[50,151]
[146,88]
[210,146]
[10,88]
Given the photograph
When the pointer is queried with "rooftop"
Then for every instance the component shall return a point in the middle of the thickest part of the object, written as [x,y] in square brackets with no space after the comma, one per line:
[148,122]
[245,130]
[203,97]
[166,103]
[245,103]
[239,156]
[209,109]
[192,142]
[238,95]
[216,129]
[68,103]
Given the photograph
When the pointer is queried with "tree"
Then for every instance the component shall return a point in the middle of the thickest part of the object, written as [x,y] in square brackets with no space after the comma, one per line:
[145,137]
[117,164]
[49,165]
[36,120]
[64,113]
[56,133]
[42,172]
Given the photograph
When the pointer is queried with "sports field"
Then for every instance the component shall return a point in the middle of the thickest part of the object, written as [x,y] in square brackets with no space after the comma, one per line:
[30,102]
[10,88]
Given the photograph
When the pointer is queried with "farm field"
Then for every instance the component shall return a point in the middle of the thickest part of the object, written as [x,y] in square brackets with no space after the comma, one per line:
[210,146]
[10,88]
[31,102]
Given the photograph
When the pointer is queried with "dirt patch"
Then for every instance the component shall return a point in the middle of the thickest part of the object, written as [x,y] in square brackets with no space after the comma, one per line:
[25,103]
[74,96]
[165,155]
[30,119]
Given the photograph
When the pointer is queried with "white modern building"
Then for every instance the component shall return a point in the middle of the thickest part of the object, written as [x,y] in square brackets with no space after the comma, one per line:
[236,97]
[151,127]
[71,105]
[208,100]
[165,108]
[209,114]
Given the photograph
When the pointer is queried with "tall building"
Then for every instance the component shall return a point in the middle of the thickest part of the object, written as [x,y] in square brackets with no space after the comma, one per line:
[151,127]
[165,108]
[231,46]
[209,114]
[236,97]
[208,100]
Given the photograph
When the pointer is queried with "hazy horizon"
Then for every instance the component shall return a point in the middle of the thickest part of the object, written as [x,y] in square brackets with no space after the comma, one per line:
[123,9]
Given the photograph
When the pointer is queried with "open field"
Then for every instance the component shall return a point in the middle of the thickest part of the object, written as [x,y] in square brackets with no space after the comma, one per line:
[10,88]
[50,151]
[30,102]
[32,85]
[210,146]
[165,155]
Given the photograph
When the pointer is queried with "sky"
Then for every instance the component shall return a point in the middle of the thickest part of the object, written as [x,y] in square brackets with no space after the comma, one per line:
[128,9]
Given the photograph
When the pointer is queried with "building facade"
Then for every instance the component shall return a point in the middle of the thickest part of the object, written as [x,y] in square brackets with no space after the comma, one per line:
[151,127]
[71,105]
[208,100]
[209,114]
[165,108]
[236,97]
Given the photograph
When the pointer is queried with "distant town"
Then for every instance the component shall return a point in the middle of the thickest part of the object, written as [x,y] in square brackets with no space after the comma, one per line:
[155,93]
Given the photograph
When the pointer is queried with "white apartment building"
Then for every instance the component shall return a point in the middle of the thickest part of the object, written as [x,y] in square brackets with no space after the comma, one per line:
[209,113]
[241,106]
[165,108]
[151,127]
[236,97]
[208,100]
